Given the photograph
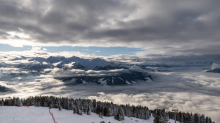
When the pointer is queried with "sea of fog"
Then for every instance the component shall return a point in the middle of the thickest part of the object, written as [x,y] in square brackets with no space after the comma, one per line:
[186,89]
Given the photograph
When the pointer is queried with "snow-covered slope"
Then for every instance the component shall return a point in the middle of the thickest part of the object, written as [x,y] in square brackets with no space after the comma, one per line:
[12,114]
[127,78]
[67,69]
[40,63]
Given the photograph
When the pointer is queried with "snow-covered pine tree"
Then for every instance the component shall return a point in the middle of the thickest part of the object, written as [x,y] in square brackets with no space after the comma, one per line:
[192,118]
[14,101]
[107,111]
[199,119]
[210,120]
[88,110]
[111,110]
[68,104]
[146,113]
[84,107]
[60,107]
[62,103]
[98,109]
[2,103]
[45,104]
[50,105]
[38,103]
[57,102]
[120,115]
[196,118]
[79,110]
[32,101]
[167,117]
[100,115]
[20,103]
[74,110]
[115,109]
[202,118]
[134,111]
[94,105]
[72,105]
[157,117]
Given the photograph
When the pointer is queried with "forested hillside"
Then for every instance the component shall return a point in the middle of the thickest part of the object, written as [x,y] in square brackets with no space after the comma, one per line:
[86,106]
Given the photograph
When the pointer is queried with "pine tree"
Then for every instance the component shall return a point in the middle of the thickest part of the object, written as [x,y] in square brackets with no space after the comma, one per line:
[74,110]
[157,117]
[210,120]
[120,115]
[79,110]
[88,110]
[2,103]
[100,115]
[60,107]
[38,103]
[50,106]
[107,111]
[20,103]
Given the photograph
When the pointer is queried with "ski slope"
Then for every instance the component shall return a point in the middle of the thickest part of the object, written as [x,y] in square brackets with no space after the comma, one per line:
[12,114]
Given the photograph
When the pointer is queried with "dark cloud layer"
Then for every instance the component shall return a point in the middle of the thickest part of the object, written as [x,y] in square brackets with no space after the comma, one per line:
[165,27]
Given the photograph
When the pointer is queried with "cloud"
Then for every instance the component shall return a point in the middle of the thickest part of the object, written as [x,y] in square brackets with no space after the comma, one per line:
[44,49]
[185,88]
[214,66]
[78,72]
[186,91]
[86,49]
[159,27]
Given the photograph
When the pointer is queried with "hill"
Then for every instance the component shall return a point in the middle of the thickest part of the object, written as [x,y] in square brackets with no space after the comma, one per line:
[33,114]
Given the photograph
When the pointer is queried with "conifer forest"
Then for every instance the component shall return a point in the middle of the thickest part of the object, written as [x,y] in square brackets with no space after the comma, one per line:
[86,106]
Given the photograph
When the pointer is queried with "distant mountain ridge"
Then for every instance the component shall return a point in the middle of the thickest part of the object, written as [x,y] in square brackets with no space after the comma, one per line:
[121,79]
[75,70]
[216,70]
[75,63]
[3,89]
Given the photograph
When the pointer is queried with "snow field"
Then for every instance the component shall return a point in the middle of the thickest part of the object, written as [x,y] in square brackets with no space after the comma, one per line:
[13,114]
[66,116]
[42,115]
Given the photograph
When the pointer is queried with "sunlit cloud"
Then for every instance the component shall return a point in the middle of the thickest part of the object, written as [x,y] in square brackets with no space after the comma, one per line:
[174,28]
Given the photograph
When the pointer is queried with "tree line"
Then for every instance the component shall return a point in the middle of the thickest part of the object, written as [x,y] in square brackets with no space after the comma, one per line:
[80,106]
[161,116]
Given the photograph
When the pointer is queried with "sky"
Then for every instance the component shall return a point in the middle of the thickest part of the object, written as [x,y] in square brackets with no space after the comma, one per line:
[92,50]
[147,28]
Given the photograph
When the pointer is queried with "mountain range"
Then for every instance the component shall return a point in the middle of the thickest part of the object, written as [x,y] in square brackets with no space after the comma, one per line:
[75,70]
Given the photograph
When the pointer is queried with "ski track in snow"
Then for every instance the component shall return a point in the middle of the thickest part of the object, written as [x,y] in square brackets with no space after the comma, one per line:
[41,115]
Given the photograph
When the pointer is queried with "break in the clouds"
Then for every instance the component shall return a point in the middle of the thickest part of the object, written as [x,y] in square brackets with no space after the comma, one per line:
[162,27]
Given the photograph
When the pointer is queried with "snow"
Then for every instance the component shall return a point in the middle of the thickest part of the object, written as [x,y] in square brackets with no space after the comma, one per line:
[41,115]
[128,82]
[13,114]
[102,81]
[84,82]
[133,82]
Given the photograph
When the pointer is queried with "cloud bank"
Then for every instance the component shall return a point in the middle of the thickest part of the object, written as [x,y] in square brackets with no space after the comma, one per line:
[214,66]
[186,88]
